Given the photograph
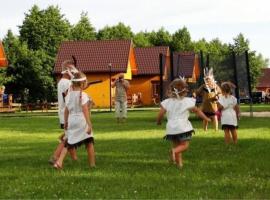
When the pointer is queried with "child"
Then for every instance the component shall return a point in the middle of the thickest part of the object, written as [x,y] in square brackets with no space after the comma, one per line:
[68,69]
[178,129]
[209,93]
[229,112]
[77,121]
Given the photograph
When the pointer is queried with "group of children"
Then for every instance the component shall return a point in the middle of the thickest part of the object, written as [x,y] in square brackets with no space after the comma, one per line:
[75,118]
[177,107]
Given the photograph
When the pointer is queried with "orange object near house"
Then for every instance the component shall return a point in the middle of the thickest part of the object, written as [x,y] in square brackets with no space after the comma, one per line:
[3,59]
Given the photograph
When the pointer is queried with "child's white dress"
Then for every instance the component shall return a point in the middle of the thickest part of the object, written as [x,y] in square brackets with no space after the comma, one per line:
[178,126]
[77,125]
[228,114]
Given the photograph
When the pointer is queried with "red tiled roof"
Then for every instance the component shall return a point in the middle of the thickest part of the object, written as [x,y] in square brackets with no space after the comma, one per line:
[95,56]
[264,80]
[147,59]
[183,64]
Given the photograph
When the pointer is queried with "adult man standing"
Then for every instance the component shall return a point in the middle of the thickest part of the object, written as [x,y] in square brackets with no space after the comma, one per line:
[121,86]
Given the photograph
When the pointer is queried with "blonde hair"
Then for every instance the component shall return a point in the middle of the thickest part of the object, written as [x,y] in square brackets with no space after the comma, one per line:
[178,88]
[81,84]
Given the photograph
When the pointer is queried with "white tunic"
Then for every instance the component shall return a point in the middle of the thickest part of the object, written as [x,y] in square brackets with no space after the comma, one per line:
[178,114]
[62,86]
[228,114]
[77,125]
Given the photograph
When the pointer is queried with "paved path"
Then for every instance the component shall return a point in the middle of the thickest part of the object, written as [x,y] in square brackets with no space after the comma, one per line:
[256,114]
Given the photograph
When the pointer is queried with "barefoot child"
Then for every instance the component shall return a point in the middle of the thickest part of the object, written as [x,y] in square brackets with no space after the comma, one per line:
[63,86]
[77,124]
[229,112]
[178,129]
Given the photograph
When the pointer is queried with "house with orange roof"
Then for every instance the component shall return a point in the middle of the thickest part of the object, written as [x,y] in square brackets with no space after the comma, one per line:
[99,60]
[145,83]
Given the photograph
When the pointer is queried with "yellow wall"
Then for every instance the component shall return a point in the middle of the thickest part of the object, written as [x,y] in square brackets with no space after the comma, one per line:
[143,85]
[100,92]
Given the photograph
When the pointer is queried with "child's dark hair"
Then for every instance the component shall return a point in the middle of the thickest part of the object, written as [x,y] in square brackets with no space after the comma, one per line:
[177,88]
[227,87]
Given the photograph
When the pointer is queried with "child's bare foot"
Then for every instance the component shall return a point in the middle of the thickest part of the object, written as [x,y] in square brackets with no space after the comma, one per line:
[57,166]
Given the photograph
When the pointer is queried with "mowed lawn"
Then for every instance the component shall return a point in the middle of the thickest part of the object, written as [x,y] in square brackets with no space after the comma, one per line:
[132,161]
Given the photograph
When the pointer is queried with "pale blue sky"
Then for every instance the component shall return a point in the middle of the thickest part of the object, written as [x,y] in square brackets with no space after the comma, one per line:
[203,18]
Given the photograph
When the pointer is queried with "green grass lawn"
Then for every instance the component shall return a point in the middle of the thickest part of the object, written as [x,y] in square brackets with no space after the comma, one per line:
[132,161]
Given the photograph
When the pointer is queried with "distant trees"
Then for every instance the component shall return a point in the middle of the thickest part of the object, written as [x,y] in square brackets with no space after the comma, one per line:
[31,54]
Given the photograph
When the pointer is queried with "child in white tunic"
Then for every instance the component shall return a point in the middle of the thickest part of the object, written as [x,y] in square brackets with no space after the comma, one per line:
[229,112]
[78,125]
[178,129]
[63,86]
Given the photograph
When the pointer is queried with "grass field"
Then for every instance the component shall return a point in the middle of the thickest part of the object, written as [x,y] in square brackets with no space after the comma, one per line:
[132,161]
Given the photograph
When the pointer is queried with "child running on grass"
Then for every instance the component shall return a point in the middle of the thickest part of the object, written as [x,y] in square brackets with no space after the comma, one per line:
[78,124]
[178,129]
[229,112]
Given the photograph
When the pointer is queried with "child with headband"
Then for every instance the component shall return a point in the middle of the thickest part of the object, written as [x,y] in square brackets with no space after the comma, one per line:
[77,122]
[178,129]
[68,69]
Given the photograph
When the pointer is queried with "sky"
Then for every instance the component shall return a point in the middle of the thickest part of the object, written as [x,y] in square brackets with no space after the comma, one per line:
[209,19]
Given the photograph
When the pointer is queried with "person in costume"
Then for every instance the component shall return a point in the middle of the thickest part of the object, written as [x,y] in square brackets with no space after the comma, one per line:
[230,113]
[77,121]
[63,86]
[209,92]
[178,128]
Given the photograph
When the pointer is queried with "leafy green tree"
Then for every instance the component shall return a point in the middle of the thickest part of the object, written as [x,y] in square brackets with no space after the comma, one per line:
[83,30]
[160,38]
[44,29]
[28,70]
[141,39]
[181,40]
[119,31]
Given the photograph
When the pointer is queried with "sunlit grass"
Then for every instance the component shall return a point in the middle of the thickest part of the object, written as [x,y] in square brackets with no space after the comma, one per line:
[132,161]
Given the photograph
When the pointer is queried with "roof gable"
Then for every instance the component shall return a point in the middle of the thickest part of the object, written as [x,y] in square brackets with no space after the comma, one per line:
[147,59]
[95,56]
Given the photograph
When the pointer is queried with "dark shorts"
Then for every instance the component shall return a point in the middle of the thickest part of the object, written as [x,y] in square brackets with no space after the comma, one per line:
[209,114]
[62,126]
[227,126]
[78,144]
[180,137]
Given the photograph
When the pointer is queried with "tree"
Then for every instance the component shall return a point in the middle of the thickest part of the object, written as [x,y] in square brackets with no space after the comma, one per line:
[28,70]
[256,62]
[160,38]
[120,31]
[141,39]
[83,30]
[44,29]
[181,40]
